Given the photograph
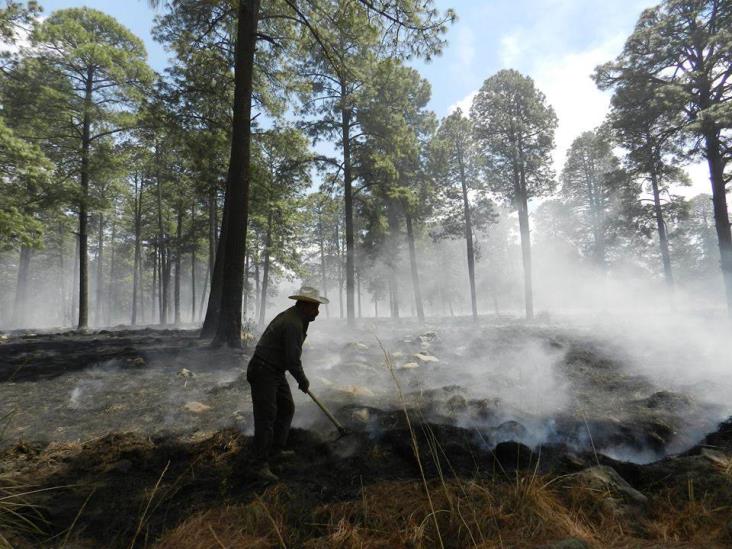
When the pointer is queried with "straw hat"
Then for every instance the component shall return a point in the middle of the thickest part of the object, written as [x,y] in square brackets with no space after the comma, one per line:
[309,294]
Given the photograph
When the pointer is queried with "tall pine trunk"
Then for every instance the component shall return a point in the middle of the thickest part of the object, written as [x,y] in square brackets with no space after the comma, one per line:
[111,286]
[75,282]
[662,234]
[245,298]
[178,253]
[265,271]
[323,279]
[136,269]
[100,274]
[194,243]
[393,221]
[236,211]
[21,289]
[348,203]
[213,272]
[522,208]
[413,267]
[468,236]
[155,302]
[83,204]
[721,214]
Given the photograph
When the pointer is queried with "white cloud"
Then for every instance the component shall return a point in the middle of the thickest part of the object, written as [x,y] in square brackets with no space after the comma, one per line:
[512,46]
[566,82]
[464,104]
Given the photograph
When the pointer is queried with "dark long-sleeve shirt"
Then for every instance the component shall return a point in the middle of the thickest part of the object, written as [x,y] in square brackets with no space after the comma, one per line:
[280,346]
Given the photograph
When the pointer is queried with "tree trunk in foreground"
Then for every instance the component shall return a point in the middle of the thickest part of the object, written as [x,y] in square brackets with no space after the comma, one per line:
[348,204]
[523,215]
[721,214]
[83,204]
[100,274]
[468,237]
[662,234]
[21,288]
[413,267]
[228,330]
[265,272]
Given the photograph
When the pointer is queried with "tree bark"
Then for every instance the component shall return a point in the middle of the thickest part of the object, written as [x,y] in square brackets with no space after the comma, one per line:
[662,234]
[348,203]
[155,301]
[178,253]
[721,214]
[228,331]
[21,289]
[164,262]
[83,203]
[247,287]
[100,273]
[265,271]
[75,282]
[194,242]
[468,236]
[323,279]
[413,266]
[393,221]
[111,286]
[136,269]
[257,286]
[206,279]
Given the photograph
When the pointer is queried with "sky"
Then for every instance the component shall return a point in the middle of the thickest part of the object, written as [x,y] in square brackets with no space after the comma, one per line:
[556,42]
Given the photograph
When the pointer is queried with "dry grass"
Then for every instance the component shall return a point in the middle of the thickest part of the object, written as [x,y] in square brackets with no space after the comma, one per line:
[684,518]
[259,524]
[19,517]
[469,514]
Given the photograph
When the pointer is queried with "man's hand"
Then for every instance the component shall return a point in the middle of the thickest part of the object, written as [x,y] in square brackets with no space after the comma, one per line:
[303,385]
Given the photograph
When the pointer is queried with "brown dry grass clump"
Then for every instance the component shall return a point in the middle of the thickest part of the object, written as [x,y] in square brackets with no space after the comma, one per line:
[684,518]
[469,514]
[259,524]
[525,511]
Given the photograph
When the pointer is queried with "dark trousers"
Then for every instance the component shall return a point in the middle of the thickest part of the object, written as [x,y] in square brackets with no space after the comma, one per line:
[273,408]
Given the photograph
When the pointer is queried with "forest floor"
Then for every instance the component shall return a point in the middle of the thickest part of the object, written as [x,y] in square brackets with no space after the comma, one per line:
[502,434]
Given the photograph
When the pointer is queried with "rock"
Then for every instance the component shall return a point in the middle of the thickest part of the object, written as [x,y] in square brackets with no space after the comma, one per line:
[457,403]
[606,479]
[569,543]
[361,415]
[397,354]
[512,455]
[137,362]
[408,366]
[196,407]
[422,357]
[428,336]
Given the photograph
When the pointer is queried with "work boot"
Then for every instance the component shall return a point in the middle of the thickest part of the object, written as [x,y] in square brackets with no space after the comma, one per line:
[264,473]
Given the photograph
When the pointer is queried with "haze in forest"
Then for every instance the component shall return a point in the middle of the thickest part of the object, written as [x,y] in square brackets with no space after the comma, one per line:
[388,170]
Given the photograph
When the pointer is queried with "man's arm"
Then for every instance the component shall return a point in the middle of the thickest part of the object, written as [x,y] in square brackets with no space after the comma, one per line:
[293,351]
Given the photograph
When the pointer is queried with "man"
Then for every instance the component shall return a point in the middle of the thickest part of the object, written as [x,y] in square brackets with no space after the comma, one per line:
[278,351]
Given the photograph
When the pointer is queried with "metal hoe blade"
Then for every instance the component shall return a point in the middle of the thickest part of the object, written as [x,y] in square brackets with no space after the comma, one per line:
[342,431]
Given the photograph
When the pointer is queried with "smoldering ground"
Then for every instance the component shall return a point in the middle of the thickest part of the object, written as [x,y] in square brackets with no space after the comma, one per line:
[158,418]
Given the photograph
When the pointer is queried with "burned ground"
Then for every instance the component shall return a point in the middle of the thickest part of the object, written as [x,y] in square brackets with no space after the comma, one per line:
[537,433]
